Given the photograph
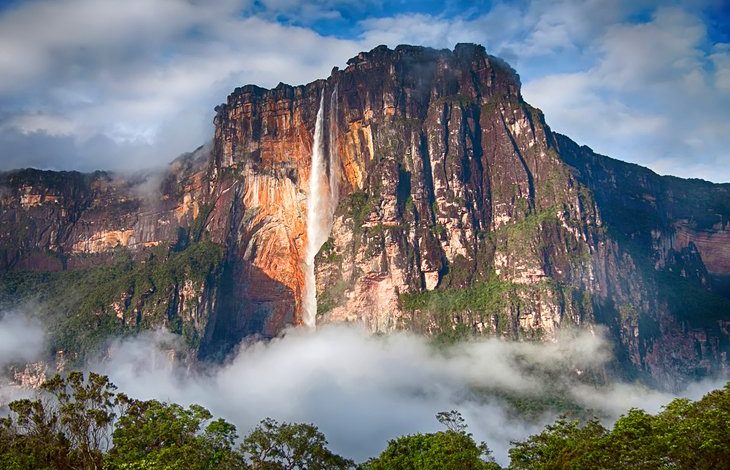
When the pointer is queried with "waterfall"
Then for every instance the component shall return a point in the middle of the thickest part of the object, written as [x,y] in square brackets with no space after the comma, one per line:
[318,216]
[321,202]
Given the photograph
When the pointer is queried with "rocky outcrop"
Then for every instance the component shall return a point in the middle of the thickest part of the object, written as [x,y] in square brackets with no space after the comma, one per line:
[460,212]
[61,220]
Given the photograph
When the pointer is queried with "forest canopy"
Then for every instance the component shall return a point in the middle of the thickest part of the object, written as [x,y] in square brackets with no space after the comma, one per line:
[81,421]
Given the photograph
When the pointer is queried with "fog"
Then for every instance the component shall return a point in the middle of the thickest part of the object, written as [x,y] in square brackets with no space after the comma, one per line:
[362,390]
[21,338]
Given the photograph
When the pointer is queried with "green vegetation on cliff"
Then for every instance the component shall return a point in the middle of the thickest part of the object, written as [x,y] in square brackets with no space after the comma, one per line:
[485,297]
[449,309]
[85,307]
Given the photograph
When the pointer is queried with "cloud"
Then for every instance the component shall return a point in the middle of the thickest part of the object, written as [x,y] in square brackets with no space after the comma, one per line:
[22,338]
[362,390]
[22,341]
[140,77]
[653,90]
[102,84]
[655,96]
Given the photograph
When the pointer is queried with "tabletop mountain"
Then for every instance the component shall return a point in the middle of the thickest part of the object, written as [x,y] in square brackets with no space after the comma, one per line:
[444,205]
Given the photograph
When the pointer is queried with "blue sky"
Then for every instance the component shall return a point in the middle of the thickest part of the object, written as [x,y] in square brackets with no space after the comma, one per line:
[92,84]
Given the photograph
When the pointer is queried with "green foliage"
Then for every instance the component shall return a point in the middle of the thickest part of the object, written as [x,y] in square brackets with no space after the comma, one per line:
[461,273]
[532,406]
[449,306]
[557,446]
[452,334]
[409,205]
[77,304]
[627,312]
[358,208]
[490,105]
[328,253]
[68,427]
[456,99]
[453,449]
[485,296]
[445,450]
[71,424]
[522,232]
[452,420]
[438,230]
[273,445]
[685,435]
[152,434]
[197,227]
[332,296]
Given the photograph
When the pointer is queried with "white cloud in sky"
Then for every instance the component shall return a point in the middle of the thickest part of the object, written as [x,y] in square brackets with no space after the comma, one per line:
[652,97]
[90,84]
[650,92]
[141,77]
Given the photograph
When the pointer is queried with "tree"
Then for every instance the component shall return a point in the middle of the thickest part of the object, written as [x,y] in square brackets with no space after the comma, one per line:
[453,449]
[558,446]
[685,435]
[635,442]
[68,426]
[31,438]
[695,434]
[87,409]
[278,446]
[452,420]
[72,422]
[159,435]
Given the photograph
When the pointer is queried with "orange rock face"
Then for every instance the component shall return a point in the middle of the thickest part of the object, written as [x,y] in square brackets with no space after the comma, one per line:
[262,158]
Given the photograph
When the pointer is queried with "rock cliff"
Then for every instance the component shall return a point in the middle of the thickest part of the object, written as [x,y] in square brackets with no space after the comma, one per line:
[452,210]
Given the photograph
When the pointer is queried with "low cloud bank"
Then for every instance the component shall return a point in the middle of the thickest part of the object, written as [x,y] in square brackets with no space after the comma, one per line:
[362,390]
[21,338]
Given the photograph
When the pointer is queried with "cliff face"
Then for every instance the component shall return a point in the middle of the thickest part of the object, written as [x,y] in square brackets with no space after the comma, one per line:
[455,211]
[62,220]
